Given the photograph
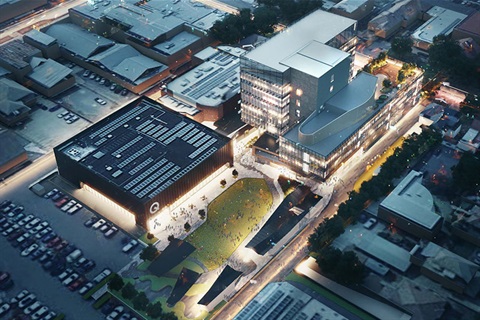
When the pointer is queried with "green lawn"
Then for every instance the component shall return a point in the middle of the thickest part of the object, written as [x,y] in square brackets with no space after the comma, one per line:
[146,240]
[329,295]
[230,218]
[144,265]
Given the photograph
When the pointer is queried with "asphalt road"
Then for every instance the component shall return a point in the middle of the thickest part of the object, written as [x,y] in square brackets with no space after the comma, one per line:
[286,260]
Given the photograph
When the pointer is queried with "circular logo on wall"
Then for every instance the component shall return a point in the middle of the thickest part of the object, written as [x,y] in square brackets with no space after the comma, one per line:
[154,207]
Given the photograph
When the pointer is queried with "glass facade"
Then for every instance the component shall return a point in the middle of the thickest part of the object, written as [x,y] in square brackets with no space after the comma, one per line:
[265,96]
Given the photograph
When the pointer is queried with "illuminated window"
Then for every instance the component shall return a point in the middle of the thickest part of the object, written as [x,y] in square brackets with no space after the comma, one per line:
[331,88]
[299,92]
[297,113]
[297,103]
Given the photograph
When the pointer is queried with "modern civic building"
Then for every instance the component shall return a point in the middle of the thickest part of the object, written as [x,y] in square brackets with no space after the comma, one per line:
[142,157]
[298,87]
[211,90]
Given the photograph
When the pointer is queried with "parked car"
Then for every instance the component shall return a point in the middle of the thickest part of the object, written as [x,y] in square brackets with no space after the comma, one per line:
[72,257]
[10,230]
[102,275]
[129,246]
[113,315]
[48,237]
[42,233]
[90,222]
[76,284]
[8,208]
[370,223]
[87,267]
[32,308]
[14,235]
[55,108]
[28,300]
[61,202]
[87,286]
[74,209]
[57,196]
[6,281]
[113,86]
[64,275]
[98,224]
[22,294]
[68,205]
[124,92]
[52,243]
[32,223]
[86,73]
[22,238]
[40,313]
[111,232]
[4,308]
[63,114]
[16,211]
[48,256]
[19,217]
[4,204]
[100,101]
[81,261]
[50,193]
[51,315]
[29,250]
[70,279]
[68,116]
[61,245]
[73,119]
[105,227]
[38,253]
[27,243]
[92,76]
[102,81]
[26,220]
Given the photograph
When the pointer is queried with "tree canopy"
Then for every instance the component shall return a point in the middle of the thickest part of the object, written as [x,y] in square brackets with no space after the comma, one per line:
[149,253]
[466,174]
[402,46]
[344,268]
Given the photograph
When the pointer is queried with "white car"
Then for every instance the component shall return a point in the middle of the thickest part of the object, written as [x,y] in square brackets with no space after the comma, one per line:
[26,220]
[70,279]
[99,223]
[72,119]
[113,315]
[51,193]
[65,274]
[22,294]
[129,246]
[29,250]
[43,233]
[63,114]
[100,101]
[50,316]
[27,300]
[75,208]
[111,232]
[32,223]
[40,313]
[32,308]
[85,288]
[102,275]
[4,308]
[67,206]
[39,227]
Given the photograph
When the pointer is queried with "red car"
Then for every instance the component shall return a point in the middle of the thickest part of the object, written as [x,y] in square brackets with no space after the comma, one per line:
[61,245]
[61,202]
[77,284]
[52,243]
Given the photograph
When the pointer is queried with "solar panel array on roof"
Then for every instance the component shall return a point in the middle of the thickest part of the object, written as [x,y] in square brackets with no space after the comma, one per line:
[143,148]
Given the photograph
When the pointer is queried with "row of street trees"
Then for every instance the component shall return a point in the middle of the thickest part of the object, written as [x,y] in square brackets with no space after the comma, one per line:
[261,21]
[402,159]
[139,299]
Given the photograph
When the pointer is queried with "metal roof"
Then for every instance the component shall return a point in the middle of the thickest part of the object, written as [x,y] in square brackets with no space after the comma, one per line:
[17,53]
[77,40]
[319,26]
[48,73]
[40,37]
[411,200]
[143,148]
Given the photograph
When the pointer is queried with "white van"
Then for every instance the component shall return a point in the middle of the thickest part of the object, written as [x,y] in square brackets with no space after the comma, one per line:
[72,257]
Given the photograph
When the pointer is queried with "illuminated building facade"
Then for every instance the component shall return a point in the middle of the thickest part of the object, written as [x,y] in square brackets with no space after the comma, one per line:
[298,87]
[143,157]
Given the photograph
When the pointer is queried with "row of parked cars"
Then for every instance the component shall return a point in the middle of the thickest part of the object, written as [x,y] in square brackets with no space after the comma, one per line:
[63,202]
[102,81]
[26,303]
[68,116]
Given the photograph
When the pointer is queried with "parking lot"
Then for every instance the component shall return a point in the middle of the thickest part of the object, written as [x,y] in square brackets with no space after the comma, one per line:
[29,274]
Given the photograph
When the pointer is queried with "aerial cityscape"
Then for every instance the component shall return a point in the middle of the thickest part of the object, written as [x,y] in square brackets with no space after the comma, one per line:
[240,159]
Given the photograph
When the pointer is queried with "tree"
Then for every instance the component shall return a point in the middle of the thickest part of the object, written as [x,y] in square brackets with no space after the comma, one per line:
[171,237]
[149,253]
[400,76]
[202,213]
[402,46]
[140,302]
[349,269]
[150,236]
[329,258]
[387,83]
[264,19]
[154,310]
[169,316]
[466,174]
[116,282]
[187,226]
[129,291]
[235,173]
[223,182]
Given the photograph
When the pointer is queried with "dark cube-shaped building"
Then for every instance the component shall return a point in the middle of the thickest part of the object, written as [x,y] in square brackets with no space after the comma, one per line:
[143,157]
